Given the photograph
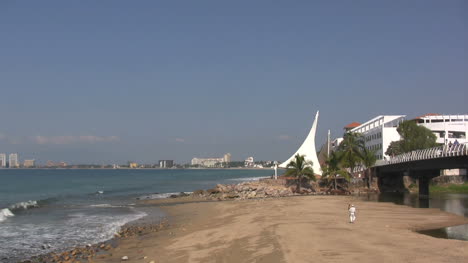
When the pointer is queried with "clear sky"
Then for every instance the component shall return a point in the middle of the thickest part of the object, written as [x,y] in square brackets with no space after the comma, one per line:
[111,81]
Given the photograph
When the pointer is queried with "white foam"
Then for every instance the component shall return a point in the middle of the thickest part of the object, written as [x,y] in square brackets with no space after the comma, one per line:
[105,205]
[5,213]
[159,196]
[24,205]
[76,229]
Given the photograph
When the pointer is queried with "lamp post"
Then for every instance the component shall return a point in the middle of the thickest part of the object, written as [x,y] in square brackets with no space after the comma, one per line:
[276,170]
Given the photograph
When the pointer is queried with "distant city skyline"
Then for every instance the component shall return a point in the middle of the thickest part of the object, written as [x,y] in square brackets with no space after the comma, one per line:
[111,82]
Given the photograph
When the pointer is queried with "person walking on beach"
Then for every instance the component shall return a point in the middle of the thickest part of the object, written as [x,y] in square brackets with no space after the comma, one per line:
[352,213]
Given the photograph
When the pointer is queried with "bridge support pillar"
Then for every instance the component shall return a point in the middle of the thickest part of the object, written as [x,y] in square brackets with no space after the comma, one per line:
[423,182]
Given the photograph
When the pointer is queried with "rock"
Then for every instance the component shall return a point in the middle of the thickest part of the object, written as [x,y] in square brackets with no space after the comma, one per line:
[221,188]
[124,258]
[252,194]
[212,191]
[232,195]
[199,193]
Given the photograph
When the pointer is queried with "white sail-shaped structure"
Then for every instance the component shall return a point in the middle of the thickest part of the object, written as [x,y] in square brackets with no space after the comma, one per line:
[308,149]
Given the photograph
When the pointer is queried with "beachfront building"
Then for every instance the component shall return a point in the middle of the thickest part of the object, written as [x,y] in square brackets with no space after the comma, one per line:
[29,163]
[249,162]
[166,163]
[212,162]
[308,150]
[379,132]
[448,129]
[227,158]
[2,160]
[13,160]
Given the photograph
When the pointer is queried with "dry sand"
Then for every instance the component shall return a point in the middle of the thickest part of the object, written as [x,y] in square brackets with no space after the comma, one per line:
[295,229]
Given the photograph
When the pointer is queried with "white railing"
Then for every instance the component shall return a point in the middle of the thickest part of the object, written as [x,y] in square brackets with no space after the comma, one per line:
[431,153]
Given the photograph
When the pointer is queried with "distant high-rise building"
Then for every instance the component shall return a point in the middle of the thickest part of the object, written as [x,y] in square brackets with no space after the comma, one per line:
[2,160]
[227,158]
[166,163]
[13,160]
[29,163]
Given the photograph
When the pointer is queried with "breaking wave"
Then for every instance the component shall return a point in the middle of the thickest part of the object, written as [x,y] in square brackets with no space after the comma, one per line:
[162,195]
[5,213]
[24,205]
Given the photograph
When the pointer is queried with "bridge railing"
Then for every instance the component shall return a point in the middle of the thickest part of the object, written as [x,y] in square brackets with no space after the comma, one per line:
[431,153]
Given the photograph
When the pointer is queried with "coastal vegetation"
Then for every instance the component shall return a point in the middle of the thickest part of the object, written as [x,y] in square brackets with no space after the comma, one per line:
[300,168]
[450,188]
[333,169]
[368,159]
[350,150]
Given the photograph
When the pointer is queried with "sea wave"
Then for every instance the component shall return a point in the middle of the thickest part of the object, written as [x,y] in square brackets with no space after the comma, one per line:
[75,229]
[105,205]
[8,212]
[5,213]
[24,205]
[162,195]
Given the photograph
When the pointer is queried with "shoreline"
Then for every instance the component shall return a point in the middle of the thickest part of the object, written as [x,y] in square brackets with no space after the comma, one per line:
[249,231]
[179,210]
[197,228]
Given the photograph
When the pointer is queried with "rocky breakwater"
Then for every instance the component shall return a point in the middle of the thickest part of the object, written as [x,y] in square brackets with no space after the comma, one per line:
[248,190]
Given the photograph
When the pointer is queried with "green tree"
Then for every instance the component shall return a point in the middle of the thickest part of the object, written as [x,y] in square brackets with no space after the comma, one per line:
[394,148]
[300,168]
[333,169]
[368,159]
[415,137]
[350,149]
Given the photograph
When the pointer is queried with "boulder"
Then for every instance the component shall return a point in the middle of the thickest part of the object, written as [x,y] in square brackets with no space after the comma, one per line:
[212,191]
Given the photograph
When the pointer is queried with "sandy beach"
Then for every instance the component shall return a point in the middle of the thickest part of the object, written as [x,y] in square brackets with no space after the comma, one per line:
[294,229]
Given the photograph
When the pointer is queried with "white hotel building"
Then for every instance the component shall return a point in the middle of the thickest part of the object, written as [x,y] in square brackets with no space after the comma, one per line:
[447,128]
[3,161]
[379,132]
[13,160]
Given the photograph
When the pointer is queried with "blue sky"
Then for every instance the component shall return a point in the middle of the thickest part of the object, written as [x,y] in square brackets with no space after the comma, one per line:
[111,81]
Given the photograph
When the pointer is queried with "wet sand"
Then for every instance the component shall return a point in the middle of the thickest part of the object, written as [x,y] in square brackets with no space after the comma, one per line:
[294,229]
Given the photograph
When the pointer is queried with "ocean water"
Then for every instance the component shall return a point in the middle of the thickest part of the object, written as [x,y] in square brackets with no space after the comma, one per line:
[44,210]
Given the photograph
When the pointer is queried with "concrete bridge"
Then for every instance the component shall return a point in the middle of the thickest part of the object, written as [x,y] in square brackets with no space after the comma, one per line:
[422,165]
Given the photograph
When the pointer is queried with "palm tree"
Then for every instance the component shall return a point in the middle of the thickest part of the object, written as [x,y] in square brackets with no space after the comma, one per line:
[299,168]
[368,160]
[334,169]
[350,149]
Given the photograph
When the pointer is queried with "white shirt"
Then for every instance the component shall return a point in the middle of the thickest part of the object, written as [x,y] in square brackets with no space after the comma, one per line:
[352,210]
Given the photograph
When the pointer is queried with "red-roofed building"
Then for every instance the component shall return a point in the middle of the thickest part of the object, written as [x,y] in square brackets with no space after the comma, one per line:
[351,126]
[426,115]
